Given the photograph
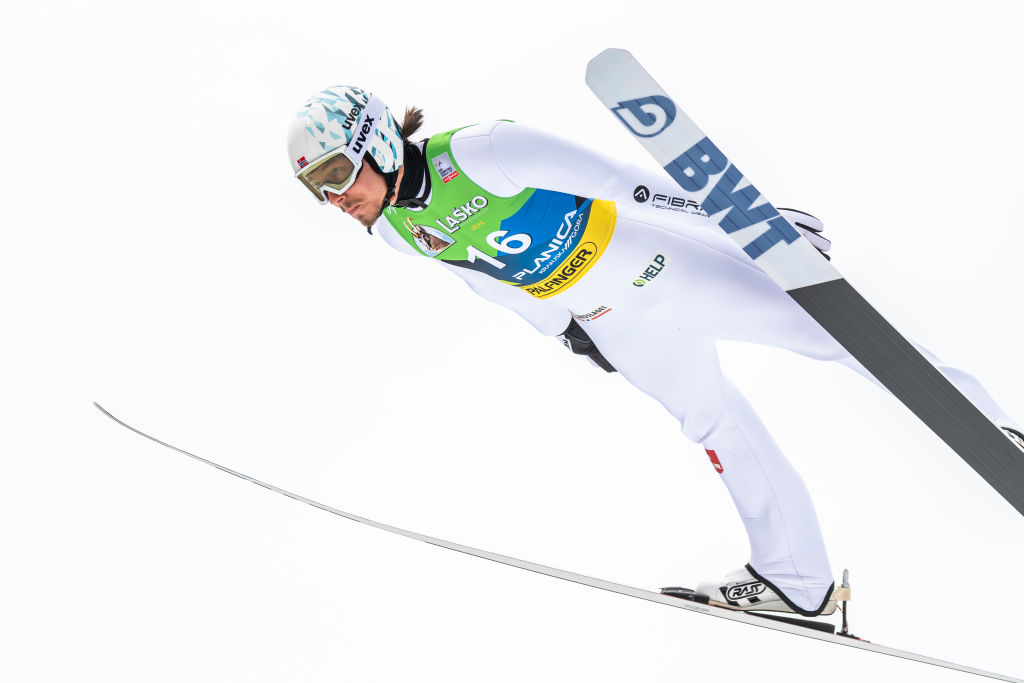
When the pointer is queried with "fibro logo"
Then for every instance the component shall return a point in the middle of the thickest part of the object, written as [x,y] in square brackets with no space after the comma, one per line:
[646,116]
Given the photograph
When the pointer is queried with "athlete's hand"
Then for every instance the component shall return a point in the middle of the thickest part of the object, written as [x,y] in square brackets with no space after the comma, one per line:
[810,227]
[578,341]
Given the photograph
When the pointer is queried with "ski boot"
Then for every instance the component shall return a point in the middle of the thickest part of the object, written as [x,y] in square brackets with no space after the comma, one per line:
[746,590]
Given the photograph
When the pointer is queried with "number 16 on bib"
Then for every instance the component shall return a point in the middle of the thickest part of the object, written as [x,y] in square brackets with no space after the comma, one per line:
[737,207]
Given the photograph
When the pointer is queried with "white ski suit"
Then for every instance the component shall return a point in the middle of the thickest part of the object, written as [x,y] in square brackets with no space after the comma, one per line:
[669,285]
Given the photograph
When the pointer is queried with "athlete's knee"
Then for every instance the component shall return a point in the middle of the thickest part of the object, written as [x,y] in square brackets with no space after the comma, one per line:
[700,423]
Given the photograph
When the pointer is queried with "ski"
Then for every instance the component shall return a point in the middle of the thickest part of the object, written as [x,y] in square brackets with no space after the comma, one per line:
[675,598]
[707,175]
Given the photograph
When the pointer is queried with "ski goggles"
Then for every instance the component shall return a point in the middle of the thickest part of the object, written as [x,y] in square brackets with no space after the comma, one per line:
[336,171]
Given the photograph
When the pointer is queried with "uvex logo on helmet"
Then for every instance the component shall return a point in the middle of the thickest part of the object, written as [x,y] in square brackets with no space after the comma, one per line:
[646,116]
[357,107]
[364,132]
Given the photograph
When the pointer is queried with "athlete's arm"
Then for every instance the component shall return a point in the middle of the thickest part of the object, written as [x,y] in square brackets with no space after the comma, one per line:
[546,317]
[505,157]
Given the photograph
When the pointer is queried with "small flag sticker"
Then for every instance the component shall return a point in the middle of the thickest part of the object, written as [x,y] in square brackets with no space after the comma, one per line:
[302,162]
[445,168]
[714,460]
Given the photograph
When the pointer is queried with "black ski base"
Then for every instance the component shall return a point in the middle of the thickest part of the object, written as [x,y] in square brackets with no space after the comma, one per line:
[816,625]
[692,596]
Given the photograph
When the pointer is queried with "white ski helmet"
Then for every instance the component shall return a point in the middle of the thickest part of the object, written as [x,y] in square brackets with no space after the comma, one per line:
[348,124]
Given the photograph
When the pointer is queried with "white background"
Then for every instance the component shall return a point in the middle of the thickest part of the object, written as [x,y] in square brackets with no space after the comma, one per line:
[158,257]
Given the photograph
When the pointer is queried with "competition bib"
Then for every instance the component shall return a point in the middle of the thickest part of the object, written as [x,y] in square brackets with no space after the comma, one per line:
[538,240]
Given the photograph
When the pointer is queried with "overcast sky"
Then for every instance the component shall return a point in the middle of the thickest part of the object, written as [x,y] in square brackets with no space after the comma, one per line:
[158,257]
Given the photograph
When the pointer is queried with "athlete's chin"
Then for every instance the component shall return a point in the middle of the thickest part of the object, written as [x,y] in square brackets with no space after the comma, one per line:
[369,218]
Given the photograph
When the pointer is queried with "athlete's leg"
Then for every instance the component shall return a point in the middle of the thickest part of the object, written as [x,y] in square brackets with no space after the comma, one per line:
[968,385]
[682,372]
[722,295]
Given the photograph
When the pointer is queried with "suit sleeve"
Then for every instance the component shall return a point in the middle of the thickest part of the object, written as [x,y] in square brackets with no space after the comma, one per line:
[546,317]
[505,158]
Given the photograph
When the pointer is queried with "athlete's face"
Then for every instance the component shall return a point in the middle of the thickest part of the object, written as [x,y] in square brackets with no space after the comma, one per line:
[362,201]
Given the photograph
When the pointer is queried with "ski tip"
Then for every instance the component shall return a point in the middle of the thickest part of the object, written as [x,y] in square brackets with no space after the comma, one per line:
[105,411]
[604,57]
[608,52]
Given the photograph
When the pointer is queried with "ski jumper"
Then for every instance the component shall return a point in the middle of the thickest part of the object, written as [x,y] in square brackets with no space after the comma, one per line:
[553,230]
